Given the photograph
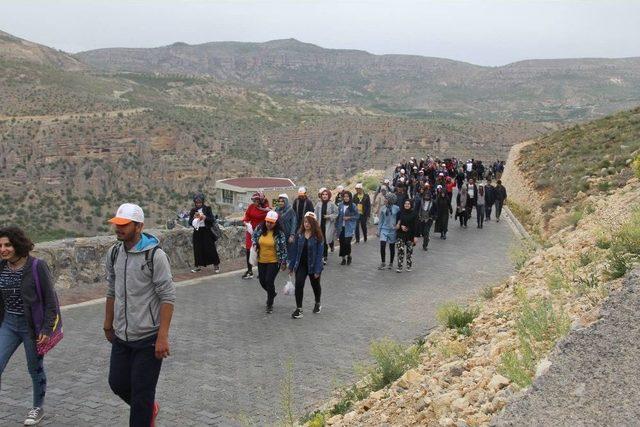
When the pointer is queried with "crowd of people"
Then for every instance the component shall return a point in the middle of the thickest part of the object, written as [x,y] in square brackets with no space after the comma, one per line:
[296,237]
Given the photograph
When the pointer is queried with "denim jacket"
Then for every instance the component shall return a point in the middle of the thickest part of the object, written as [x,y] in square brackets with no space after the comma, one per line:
[350,224]
[315,250]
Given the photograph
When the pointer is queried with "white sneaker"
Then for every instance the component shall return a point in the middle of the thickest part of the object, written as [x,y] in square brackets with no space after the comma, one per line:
[34,417]
[195,270]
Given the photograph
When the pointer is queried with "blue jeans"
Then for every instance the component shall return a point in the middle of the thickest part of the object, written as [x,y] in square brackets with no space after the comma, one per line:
[14,331]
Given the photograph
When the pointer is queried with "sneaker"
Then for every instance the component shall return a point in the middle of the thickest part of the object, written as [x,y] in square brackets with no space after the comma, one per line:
[382,266]
[34,417]
[269,309]
[216,269]
[390,266]
[324,261]
[297,314]
[156,409]
[343,262]
[195,270]
[248,275]
[349,260]
[399,270]
[317,308]
[408,269]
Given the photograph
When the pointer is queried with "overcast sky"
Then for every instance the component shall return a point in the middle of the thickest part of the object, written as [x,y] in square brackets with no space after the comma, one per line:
[485,32]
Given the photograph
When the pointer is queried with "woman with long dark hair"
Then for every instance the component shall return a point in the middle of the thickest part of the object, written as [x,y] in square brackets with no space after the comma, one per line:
[346,226]
[306,260]
[204,241]
[270,242]
[19,306]
[443,210]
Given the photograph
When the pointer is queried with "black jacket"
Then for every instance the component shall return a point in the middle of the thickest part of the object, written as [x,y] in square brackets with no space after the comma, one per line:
[409,219]
[489,195]
[501,193]
[30,295]
[301,208]
[366,203]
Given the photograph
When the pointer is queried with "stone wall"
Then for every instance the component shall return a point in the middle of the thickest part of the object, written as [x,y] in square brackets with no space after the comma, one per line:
[78,262]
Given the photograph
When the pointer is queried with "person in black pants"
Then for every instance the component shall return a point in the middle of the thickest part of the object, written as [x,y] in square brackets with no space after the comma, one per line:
[363,204]
[306,260]
[500,197]
[270,241]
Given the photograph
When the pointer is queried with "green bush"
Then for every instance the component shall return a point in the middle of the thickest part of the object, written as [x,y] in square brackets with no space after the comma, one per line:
[454,316]
[539,327]
[521,253]
[487,292]
[391,361]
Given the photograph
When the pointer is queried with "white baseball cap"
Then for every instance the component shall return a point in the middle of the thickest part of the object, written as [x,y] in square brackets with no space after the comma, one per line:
[126,213]
[302,190]
[339,188]
[359,185]
[283,196]
[272,216]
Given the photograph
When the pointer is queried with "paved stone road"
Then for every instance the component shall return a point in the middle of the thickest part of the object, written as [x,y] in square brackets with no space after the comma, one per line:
[228,357]
[593,380]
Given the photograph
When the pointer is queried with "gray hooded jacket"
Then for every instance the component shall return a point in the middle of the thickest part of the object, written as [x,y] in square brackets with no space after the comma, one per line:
[137,293]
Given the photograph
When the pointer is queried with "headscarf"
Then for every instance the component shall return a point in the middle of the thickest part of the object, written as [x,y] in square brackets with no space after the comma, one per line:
[198,196]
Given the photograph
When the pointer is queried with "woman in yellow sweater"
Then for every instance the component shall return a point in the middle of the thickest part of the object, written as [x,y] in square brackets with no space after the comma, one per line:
[271,245]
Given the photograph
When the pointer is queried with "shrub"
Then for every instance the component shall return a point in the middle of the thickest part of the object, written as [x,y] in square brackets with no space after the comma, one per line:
[636,166]
[585,259]
[521,253]
[487,292]
[391,361]
[454,316]
[617,265]
[539,326]
[603,243]
[556,281]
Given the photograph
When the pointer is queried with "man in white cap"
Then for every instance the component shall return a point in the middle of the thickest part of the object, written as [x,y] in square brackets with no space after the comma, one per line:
[139,308]
[302,205]
[363,204]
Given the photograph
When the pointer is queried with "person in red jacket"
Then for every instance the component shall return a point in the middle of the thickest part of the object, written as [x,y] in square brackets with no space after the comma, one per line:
[254,215]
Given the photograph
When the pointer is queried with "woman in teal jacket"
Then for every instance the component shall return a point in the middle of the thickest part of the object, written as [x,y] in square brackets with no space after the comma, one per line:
[306,260]
[346,226]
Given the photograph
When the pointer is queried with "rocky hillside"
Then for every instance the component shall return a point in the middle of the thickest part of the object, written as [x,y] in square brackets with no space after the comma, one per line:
[490,349]
[75,144]
[539,90]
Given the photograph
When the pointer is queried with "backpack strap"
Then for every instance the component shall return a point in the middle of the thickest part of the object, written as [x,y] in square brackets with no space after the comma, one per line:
[148,258]
[114,252]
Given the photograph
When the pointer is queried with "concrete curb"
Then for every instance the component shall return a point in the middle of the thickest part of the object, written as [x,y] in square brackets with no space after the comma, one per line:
[517,227]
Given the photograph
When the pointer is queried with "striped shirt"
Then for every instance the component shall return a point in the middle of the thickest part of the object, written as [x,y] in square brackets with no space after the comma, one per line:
[10,289]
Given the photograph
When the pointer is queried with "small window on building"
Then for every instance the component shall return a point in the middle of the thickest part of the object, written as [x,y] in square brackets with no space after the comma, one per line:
[227,197]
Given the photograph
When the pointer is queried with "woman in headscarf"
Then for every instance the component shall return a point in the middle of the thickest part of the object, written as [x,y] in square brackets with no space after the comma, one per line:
[387,230]
[271,244]
[253,216]
[426,216]
[407,220]
[287,218]
[204,241]
[443,210]
[327,212]
[461,205]
[346,226]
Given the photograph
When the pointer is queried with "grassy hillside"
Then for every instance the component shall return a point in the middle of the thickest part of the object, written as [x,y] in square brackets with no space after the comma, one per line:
[586,158]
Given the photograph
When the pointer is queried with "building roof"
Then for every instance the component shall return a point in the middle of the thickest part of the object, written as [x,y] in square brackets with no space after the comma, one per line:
[255,183]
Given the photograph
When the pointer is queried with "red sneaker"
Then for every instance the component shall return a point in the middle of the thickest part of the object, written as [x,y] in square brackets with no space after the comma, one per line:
[156,409]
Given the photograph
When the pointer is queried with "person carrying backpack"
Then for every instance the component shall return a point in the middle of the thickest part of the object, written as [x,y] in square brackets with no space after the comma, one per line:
[29,311]
[138,312]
